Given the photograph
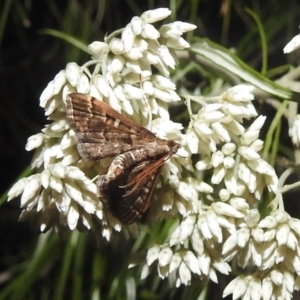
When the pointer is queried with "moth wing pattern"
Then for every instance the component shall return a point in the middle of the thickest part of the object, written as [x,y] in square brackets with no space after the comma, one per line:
[123,203]
[101,131]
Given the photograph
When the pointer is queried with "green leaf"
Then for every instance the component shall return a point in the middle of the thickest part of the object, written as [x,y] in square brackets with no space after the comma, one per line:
[216,56]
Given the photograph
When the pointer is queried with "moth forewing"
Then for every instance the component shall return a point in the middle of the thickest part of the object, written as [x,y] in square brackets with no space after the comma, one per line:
[102,132]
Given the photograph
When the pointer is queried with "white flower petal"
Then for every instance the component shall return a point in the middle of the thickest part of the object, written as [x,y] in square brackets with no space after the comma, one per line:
[191,261]
[177,43]
[183,26]
[243,237]
[83,85]
[73,72]
[148,89]
[170,31]
[203,227]
[166,56]
[165,256]
[58,170]
[258,235]
[213,275]
[136,24]
[221,131]
[292,45]
[117,46]
[255,288]
[154,15]
[56,184]
[256,252]
[218,175]
[192,142]
[132,92]
[99,47]
[204,263]
[17,188]
[267,288]
[226,209]
[152,254]
[247,176]
[269,222]
[230,244]
[102,84]
[31,189]
[249,137]
[184,274]
[276,277]
[197,242]
[149,32]
[128,37]
[295,225]
[175,262]
[47,94]
[113,101]
[224,194]
[73,191]
[222,266]
[281,216]
[228,148]
[73,216]
[262,167]
[213,224]
[292,241]
[240,288]
[186,227]
[252,217]
[162,95]
[59,81]
[175,237]
[248,153]
[186,191]
[35,141]
[241,92]
[229,162]
[203,164]
[163,83]
[282,234]
[227,223]
[217,158]
[145,272]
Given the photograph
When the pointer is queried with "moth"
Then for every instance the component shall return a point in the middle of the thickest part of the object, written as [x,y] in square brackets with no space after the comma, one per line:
[102,132]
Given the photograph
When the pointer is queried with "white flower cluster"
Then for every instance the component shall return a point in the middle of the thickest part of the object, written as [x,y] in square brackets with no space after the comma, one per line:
[223,222]
[273,246]
[120,73]
[213,196]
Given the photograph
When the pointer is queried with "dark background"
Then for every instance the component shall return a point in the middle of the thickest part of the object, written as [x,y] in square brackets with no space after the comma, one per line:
[29,59]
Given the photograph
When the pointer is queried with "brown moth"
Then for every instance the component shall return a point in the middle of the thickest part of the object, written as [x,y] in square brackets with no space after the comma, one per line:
[101,132]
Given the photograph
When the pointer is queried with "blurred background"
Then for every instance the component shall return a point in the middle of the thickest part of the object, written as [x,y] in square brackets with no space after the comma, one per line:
[30,57]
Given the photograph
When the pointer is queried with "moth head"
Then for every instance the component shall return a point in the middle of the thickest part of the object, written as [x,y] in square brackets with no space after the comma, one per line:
[174,146]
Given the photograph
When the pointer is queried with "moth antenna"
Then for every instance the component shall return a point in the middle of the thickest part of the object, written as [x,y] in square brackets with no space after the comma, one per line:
[95,178]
